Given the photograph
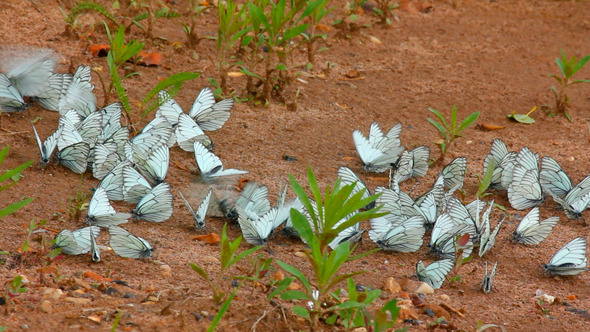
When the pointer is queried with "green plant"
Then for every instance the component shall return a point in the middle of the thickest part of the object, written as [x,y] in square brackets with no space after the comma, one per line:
[116,321]
[13,289]
[384,10]
[450,132]
[337,203]
[485,181]
[118,55]
[221,312]
[150,13]
[14,175]
[229,257]
[29,229]
[315,16]
[191,29]
[568,68]
[260,268]
[544,307]
[77,203]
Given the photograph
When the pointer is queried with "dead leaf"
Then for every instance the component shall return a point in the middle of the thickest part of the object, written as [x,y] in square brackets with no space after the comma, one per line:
[95,319]
[211,238]
[235,74]
[353,74]
[322,27]
[375,40]
[489,126]
[95,276]
[150,59]
[100,50]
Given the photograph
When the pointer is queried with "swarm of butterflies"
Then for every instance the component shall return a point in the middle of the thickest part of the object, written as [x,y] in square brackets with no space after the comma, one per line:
[134,169]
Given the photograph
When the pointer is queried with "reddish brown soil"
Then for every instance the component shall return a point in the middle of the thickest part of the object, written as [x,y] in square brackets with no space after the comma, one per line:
[488,56]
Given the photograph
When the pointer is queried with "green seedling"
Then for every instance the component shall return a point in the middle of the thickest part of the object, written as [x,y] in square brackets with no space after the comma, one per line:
[261,267]
[450,132]
[384,10]
[568,68]
[486,180]
[13,176]
[191,30]
[482,327]
[229,257]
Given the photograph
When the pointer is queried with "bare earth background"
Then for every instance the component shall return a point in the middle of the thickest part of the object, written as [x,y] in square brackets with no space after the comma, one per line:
[487,56]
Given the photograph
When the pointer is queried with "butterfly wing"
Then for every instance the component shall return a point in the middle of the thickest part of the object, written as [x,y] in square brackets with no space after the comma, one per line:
[205,100]
[553,179]
[569,260]
[156,206]
[128,245]
[435,273]
[214,117]
[169,108]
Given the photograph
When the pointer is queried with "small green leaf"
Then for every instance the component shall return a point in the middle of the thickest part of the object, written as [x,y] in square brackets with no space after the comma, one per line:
[522,118]
[301,311]
[199,271]
[221,312]
[281,286]
[13,207]
[294,295]
[467,122]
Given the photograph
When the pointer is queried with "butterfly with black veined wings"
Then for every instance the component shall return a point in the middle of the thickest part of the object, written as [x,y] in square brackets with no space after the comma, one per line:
[113,182]
[402,235]
[111,119]
[556,183]
[135,186]
[412,163]
[531,230]
[569,260]
[201,213]
[390,201]
[378,151]
[288,229]
[347,177]
[154,165]
[283,207]
[94,249]
[525,189]
[486,284]
[10,99]
[209,116]
[101,213]
[105,159]
[443,242]
[78,95]
[57,85]
[156,206]
[128,245]
[438,191]
[75,242]
[74,157]
[168,108]
[435,273]
[187,132]
[253,200]
[30,75]
[503,162]
[351,233]
[454,173]
[488,239]
[256,231]
[210,165]
[46,148]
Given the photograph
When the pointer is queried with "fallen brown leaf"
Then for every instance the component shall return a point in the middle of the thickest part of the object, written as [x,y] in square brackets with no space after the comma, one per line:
[150,59]
[210,238]
[489,126]
[95,276]
[100,50]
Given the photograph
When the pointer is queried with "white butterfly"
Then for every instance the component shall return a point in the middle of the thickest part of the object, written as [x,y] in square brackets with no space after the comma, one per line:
[288,229]
[76,242]
[569,260]
[383,142]
[74,157]
[135,186]
[454,173]
[525,189]
[402,236]
[378,151]
[101,213]
[412,164]
[390,201]
[128,245]
[444,234]
[78,95]
[30,75]
[169,108]
[187,132]
[488,239]
[111,119]
[283,207]
[105,159]
[347,177]
[94,249]
[57,85]
[10,99]
[46,148]
[461,216]
[209,116]
[201,213]
[154,165]
[156,206]
[253,200]
[160,126]
[438,191]
[486,284]
[435,273]
[531,230]
[120,138]
[351,234]
[90,129]
[556,183]
[113,182]
[210,165]
[256,231]
[503,162]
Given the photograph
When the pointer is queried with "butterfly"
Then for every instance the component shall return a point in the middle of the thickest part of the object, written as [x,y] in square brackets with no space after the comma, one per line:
[351,234]
[288,229]
[569,260]
[30,75]
[531,230]
[283,207]
[558,185]
[525,189]
[486,284]
[502,162]
[57,85]
[154,165]
[101,213]
[435,273]
[111,120]
[201,213]
[135,186]
[378,151]
[443,239]
[105,159]
[209,115]
[412,164]
[347,177]
[76,242]
[128,245]
[74,157]
[156,206]
[112,183]
[488,239]
[253,200]
[210,165]
[389,199]
[454,173]
[256,231]
[187,132]
[397,235]
[94,249]
[78,95]
[168,108]
[46,148]
[162,128]
[10,99]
